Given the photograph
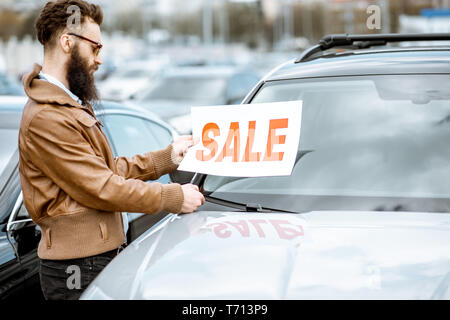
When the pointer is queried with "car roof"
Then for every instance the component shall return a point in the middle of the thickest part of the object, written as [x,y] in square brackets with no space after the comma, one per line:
[410,60]
[16,104]
[13,107]
[204,71]
[12,103]
[131,109]
[138,65]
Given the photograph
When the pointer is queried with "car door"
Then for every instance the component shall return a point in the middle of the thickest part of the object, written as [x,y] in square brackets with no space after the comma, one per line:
[24,237]
[11,278]
[18,239]
[130,135]
[11,273]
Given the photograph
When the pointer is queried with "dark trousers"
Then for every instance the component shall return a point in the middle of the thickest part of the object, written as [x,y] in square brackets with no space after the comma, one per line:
[67,279]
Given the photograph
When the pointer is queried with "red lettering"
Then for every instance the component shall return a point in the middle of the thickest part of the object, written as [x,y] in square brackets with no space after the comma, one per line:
[220,230]
[233,135]
[242,227]
[273,139]
[288,233]
[256,224]
[208,142]
[249,155]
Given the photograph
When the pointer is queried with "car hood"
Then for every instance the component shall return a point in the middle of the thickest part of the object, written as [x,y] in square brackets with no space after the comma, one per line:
[316,255]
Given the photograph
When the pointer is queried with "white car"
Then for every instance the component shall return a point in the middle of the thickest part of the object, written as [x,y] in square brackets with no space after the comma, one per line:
[180,88]
[364,214]
[130,78]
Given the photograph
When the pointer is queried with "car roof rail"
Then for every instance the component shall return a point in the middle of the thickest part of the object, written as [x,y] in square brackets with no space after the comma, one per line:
[363,41]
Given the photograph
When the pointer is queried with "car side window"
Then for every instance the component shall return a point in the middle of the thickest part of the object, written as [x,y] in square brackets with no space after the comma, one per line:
[132,135]
[164,138]
[164,135]
[23,213]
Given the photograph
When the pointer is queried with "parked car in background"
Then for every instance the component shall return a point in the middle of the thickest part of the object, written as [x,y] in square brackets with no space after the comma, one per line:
[364,214]
[9,87]
[130,131]
[130,78]
[179,89]
[107,68]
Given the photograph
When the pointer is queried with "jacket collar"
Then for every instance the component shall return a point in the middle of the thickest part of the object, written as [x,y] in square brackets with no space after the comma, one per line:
[45,92]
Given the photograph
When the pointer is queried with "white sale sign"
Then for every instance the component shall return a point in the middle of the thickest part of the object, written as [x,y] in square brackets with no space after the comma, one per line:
[246,140]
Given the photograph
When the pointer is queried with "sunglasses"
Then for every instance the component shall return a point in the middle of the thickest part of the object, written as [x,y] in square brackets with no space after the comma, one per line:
[98,45]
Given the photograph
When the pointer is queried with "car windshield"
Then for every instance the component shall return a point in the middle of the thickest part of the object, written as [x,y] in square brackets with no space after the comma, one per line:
[366,143]
[188,88]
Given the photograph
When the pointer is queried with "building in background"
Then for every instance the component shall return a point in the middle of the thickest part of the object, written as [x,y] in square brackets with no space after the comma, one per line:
[430,20]
[135,28]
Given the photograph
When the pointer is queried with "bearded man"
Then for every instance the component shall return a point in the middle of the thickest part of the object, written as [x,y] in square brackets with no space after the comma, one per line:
[73,187]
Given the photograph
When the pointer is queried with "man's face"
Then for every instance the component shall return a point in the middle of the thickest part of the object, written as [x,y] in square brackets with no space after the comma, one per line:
[82,64]
[88,50]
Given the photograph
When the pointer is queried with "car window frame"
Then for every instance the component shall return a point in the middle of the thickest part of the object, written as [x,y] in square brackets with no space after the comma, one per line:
[105,113]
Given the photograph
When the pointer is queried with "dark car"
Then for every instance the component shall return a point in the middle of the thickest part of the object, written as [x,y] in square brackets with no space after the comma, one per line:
[130,131]
[364,214]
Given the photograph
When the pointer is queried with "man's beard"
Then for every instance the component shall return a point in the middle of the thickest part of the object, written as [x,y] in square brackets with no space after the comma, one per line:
[81,81]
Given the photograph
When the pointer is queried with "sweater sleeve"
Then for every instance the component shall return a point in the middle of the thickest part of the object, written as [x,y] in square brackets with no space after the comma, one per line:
[61,151]
[148,166]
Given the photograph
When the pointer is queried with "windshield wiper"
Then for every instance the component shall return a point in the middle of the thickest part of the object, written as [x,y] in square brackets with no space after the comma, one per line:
[249,207]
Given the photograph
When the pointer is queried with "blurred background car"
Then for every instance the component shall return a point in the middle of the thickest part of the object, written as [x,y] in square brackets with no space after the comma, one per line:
[178,89]
[107,68]
[364,213]
[128,79]
[9,87]
[130,131]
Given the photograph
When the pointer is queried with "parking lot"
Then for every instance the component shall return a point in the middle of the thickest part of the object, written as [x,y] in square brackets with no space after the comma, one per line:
[363,212]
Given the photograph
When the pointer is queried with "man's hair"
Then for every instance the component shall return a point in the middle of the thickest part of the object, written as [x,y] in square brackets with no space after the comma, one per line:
[56,14]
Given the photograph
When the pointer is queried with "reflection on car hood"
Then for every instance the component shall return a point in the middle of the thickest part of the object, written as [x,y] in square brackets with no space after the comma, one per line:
[316,255]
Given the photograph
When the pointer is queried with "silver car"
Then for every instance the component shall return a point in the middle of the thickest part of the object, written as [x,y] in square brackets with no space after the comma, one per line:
[364,214]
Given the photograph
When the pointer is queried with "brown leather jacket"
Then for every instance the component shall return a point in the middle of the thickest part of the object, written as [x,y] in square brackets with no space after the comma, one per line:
[73,187]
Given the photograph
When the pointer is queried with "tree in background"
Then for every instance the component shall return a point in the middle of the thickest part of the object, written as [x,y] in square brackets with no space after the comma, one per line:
[10,24]
[236,22]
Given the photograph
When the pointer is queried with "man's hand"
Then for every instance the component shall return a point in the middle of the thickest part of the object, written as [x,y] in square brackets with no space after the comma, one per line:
[180,148]
[192,198]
